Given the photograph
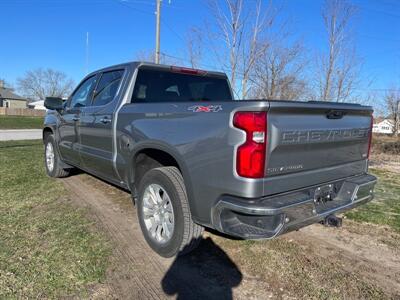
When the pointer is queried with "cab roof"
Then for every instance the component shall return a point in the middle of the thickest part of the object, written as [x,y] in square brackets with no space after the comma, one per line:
[137,64]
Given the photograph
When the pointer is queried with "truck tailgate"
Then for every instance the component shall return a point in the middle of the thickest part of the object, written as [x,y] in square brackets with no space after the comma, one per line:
[314,135]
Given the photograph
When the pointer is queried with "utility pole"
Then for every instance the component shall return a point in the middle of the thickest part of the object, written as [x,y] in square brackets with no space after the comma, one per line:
[158,13]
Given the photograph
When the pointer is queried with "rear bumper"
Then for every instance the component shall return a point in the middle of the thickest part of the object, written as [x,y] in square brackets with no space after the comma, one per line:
[268,217]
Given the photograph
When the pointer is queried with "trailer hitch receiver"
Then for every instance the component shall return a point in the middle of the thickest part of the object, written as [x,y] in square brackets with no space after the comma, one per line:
[332,221]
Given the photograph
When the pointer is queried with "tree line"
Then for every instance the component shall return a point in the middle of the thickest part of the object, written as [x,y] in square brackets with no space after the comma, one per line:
[264,58]
[40,83]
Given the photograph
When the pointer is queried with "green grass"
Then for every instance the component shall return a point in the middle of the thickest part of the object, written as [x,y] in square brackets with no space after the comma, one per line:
[385,208]
[19,122]
[48,249]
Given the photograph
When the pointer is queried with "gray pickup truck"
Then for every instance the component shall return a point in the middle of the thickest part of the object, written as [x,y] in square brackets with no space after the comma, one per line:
[193,157]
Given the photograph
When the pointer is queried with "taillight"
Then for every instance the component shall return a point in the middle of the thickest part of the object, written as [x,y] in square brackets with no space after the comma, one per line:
[251,155]
[370,135]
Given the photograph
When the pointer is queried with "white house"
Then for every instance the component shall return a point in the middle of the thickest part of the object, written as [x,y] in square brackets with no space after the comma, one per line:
[386,127]
[37,105]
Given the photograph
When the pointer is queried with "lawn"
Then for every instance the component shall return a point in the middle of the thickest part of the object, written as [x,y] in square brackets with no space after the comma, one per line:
[20,122]
[385,208]
[48,249]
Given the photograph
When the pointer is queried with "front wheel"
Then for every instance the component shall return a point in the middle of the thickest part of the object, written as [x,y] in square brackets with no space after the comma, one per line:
[164,213]
[52,160]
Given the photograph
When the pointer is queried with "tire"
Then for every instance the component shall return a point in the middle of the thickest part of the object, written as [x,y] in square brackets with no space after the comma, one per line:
[185,235]
[54,169]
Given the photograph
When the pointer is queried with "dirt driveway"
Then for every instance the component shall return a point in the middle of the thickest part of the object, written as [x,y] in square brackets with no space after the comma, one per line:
[136,272]
[218,269]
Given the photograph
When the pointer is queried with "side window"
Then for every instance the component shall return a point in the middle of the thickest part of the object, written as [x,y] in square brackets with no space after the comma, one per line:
[81,97]
[107,87]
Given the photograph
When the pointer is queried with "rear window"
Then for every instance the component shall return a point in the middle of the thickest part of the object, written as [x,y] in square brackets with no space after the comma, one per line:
[164,86]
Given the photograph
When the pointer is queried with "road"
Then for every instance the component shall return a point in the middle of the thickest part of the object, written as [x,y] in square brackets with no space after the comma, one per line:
[20,134]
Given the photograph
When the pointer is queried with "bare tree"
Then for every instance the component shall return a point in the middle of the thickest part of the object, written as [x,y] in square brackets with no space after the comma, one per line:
[279,72]
[5,84]
[392,101]
[339,66]
[41,83]
[148,56]
[235,43]
[145,56]
[254,49]
[194,47]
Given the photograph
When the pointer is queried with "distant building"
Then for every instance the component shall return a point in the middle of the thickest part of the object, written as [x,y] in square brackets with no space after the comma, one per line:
[37,105]
[9,99]
[385,127]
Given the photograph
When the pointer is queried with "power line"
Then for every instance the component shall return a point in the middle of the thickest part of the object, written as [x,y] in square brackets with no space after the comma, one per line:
[172,30]
[377,90]
[187,60]
[146,12]
[159,20]
[140,2]
[241,74]
[378,38]
[124,3]
[380,11]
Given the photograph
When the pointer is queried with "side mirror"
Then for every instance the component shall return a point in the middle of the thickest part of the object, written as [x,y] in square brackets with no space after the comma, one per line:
[54,103]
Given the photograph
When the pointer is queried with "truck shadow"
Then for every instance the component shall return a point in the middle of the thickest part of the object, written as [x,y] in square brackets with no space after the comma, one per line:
[205,273]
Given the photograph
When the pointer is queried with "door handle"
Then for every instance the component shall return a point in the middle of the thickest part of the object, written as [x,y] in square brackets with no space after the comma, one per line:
[105,120]
[76,118]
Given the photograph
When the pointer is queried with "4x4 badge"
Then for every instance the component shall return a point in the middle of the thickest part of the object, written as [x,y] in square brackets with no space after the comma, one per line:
[208,108]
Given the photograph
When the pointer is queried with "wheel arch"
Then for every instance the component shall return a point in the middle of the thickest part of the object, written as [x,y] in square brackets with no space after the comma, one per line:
[154,154]
[46,132]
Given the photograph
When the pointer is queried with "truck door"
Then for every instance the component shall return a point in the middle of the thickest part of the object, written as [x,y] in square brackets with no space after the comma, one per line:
[69,121]
[96,126]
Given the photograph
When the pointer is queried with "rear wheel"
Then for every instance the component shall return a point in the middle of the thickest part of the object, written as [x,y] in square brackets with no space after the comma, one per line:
[164,213]
[52,159]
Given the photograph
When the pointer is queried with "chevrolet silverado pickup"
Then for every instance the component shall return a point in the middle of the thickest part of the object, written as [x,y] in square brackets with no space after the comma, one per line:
[193,157]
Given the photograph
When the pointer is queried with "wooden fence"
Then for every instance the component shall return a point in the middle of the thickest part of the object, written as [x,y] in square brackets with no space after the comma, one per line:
[6,111]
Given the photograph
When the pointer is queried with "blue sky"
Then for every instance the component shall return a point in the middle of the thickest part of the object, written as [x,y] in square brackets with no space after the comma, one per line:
[52,33]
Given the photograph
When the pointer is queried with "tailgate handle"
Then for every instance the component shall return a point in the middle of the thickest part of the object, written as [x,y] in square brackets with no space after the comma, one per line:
[335,114]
